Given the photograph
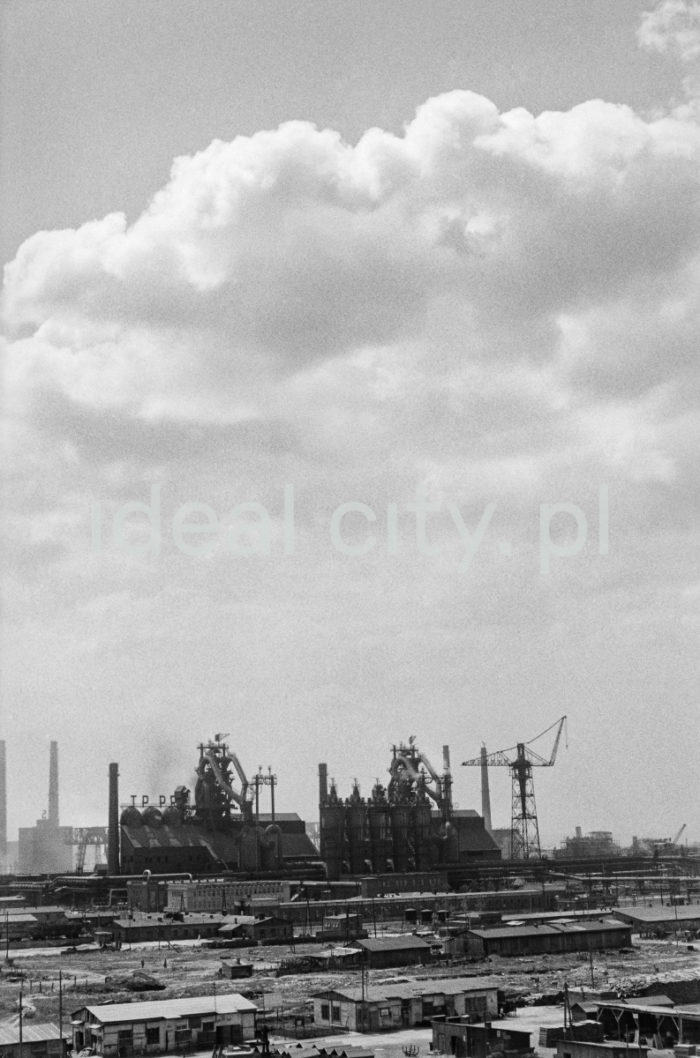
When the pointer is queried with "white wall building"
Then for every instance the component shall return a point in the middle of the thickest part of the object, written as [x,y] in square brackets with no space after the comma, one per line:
[164,1026]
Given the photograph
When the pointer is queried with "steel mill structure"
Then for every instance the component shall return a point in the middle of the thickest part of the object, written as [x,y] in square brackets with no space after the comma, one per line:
[406,826]
[219,827]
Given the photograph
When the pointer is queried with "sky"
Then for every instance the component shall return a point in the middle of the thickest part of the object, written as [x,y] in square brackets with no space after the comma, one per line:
[350,393]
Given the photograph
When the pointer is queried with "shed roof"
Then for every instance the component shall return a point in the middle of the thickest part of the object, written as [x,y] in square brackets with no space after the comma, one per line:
[32,1032]
[402,943]
[429,986]
[679,912]
[156,1009]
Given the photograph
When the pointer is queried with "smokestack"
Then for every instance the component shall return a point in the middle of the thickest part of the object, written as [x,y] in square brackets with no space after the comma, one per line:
[445,758]
[3,805]
[322,783]
[113,821]
[485,792]
[53,785]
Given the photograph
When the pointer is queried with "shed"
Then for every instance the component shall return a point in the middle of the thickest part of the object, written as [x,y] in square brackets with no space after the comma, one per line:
[39,1040]
[403,950]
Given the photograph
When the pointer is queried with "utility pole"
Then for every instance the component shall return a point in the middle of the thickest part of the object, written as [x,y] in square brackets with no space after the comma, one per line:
[21,1011]
[60,1007]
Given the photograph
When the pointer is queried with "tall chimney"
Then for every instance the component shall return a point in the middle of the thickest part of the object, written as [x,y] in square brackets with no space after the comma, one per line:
[3,805]
[322,783]
[113,821]
[485,792]
[53,785]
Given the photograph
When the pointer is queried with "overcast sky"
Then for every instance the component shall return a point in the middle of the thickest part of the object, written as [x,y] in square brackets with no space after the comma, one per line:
[403,278]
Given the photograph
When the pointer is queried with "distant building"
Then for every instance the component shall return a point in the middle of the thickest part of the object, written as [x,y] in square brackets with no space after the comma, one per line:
[535,940]
[402,1005]
[404,950]
[119,1030]
[138,926]
[657,919]
[45,848]
[595,844]
[219,894]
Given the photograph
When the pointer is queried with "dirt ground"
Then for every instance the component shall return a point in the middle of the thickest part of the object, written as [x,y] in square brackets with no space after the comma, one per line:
[93,976]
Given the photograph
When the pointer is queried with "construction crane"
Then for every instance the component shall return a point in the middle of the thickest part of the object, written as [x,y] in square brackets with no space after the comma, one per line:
[674,841]
[524,827]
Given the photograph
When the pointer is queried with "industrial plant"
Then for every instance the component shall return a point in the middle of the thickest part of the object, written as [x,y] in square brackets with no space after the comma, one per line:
[197,881]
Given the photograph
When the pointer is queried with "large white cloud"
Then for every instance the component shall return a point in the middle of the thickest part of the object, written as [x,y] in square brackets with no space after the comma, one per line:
[499,308]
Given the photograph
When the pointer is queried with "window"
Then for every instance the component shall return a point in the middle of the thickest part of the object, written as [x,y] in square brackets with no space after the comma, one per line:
[152,1036]
[336,1013]
[325,1011]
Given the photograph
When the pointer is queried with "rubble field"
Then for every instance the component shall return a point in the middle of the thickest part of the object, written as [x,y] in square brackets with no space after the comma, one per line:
[94,976]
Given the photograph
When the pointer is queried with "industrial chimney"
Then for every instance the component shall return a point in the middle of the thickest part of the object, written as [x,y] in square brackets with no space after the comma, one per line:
[485,792]
[53,785]
[322,783]
[113,821]
[3,805]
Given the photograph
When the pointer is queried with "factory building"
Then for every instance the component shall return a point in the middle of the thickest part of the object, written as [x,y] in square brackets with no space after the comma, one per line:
[408,826]
[225,894]
[219,828]
[46,848]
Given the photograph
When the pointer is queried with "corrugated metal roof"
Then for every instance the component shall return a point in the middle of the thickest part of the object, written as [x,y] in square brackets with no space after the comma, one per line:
[155,1009]
[32,1032]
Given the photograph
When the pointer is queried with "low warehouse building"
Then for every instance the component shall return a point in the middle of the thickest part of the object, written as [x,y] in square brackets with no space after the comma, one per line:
[39,1040]
[394,1006]
[537,940]
[658,920]
[164,1026]
[405,950]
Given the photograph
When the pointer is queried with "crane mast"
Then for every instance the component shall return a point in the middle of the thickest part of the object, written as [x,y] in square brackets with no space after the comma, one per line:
[524,827]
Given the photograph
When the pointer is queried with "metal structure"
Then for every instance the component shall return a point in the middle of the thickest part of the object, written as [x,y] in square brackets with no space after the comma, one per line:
[524,827]
[219,825]
[84,836]
[408,825]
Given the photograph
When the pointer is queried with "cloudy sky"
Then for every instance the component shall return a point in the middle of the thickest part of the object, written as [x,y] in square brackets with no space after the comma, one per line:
[351,392]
